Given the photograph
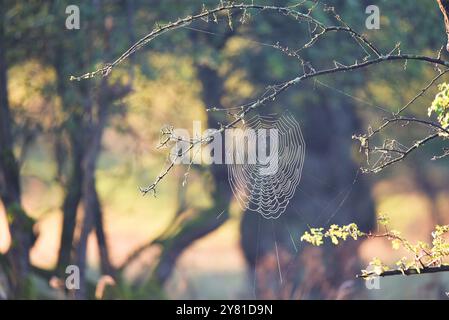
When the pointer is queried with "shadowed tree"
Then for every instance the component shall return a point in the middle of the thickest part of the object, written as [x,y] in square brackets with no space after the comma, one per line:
[330,191]
[16,262]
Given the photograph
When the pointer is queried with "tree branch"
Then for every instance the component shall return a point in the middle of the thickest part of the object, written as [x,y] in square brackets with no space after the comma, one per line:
[444,268]
[320,30]
[105,70]
[444,7]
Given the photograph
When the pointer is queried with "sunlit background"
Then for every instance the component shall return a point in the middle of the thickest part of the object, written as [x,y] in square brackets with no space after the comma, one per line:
[173,80]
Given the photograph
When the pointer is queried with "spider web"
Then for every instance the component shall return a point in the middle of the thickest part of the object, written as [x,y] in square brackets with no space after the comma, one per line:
[390,150]
[269,194]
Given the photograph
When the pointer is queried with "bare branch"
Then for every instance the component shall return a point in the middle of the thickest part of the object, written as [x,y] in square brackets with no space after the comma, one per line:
[277,91]
[320,29]
[402,156]
[107,68]
[388,159]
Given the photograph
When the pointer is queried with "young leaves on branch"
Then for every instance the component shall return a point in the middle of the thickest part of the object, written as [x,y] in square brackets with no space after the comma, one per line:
[440,105]
[421,257]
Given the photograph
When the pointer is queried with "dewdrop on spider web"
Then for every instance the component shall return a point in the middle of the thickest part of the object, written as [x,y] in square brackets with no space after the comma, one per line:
[256,186]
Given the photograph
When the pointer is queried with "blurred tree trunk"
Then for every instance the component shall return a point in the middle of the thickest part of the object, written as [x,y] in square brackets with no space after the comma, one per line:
[72,187]
[103,248]
[204,221]
[85,131]
[70,205]
[20,225]
[325,195]
[96,122]
[280,266]
[73,196]
[90,206]
[94,131]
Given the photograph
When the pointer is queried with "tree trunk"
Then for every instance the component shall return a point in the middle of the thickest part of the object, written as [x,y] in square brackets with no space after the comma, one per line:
[204,221]
[103,249]
[93,218]
[90,203]
[75,150]
[70,206]
[20,225]
[282,267]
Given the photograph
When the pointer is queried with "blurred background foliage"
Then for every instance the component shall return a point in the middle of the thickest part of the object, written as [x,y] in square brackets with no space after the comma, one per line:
[194,241]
